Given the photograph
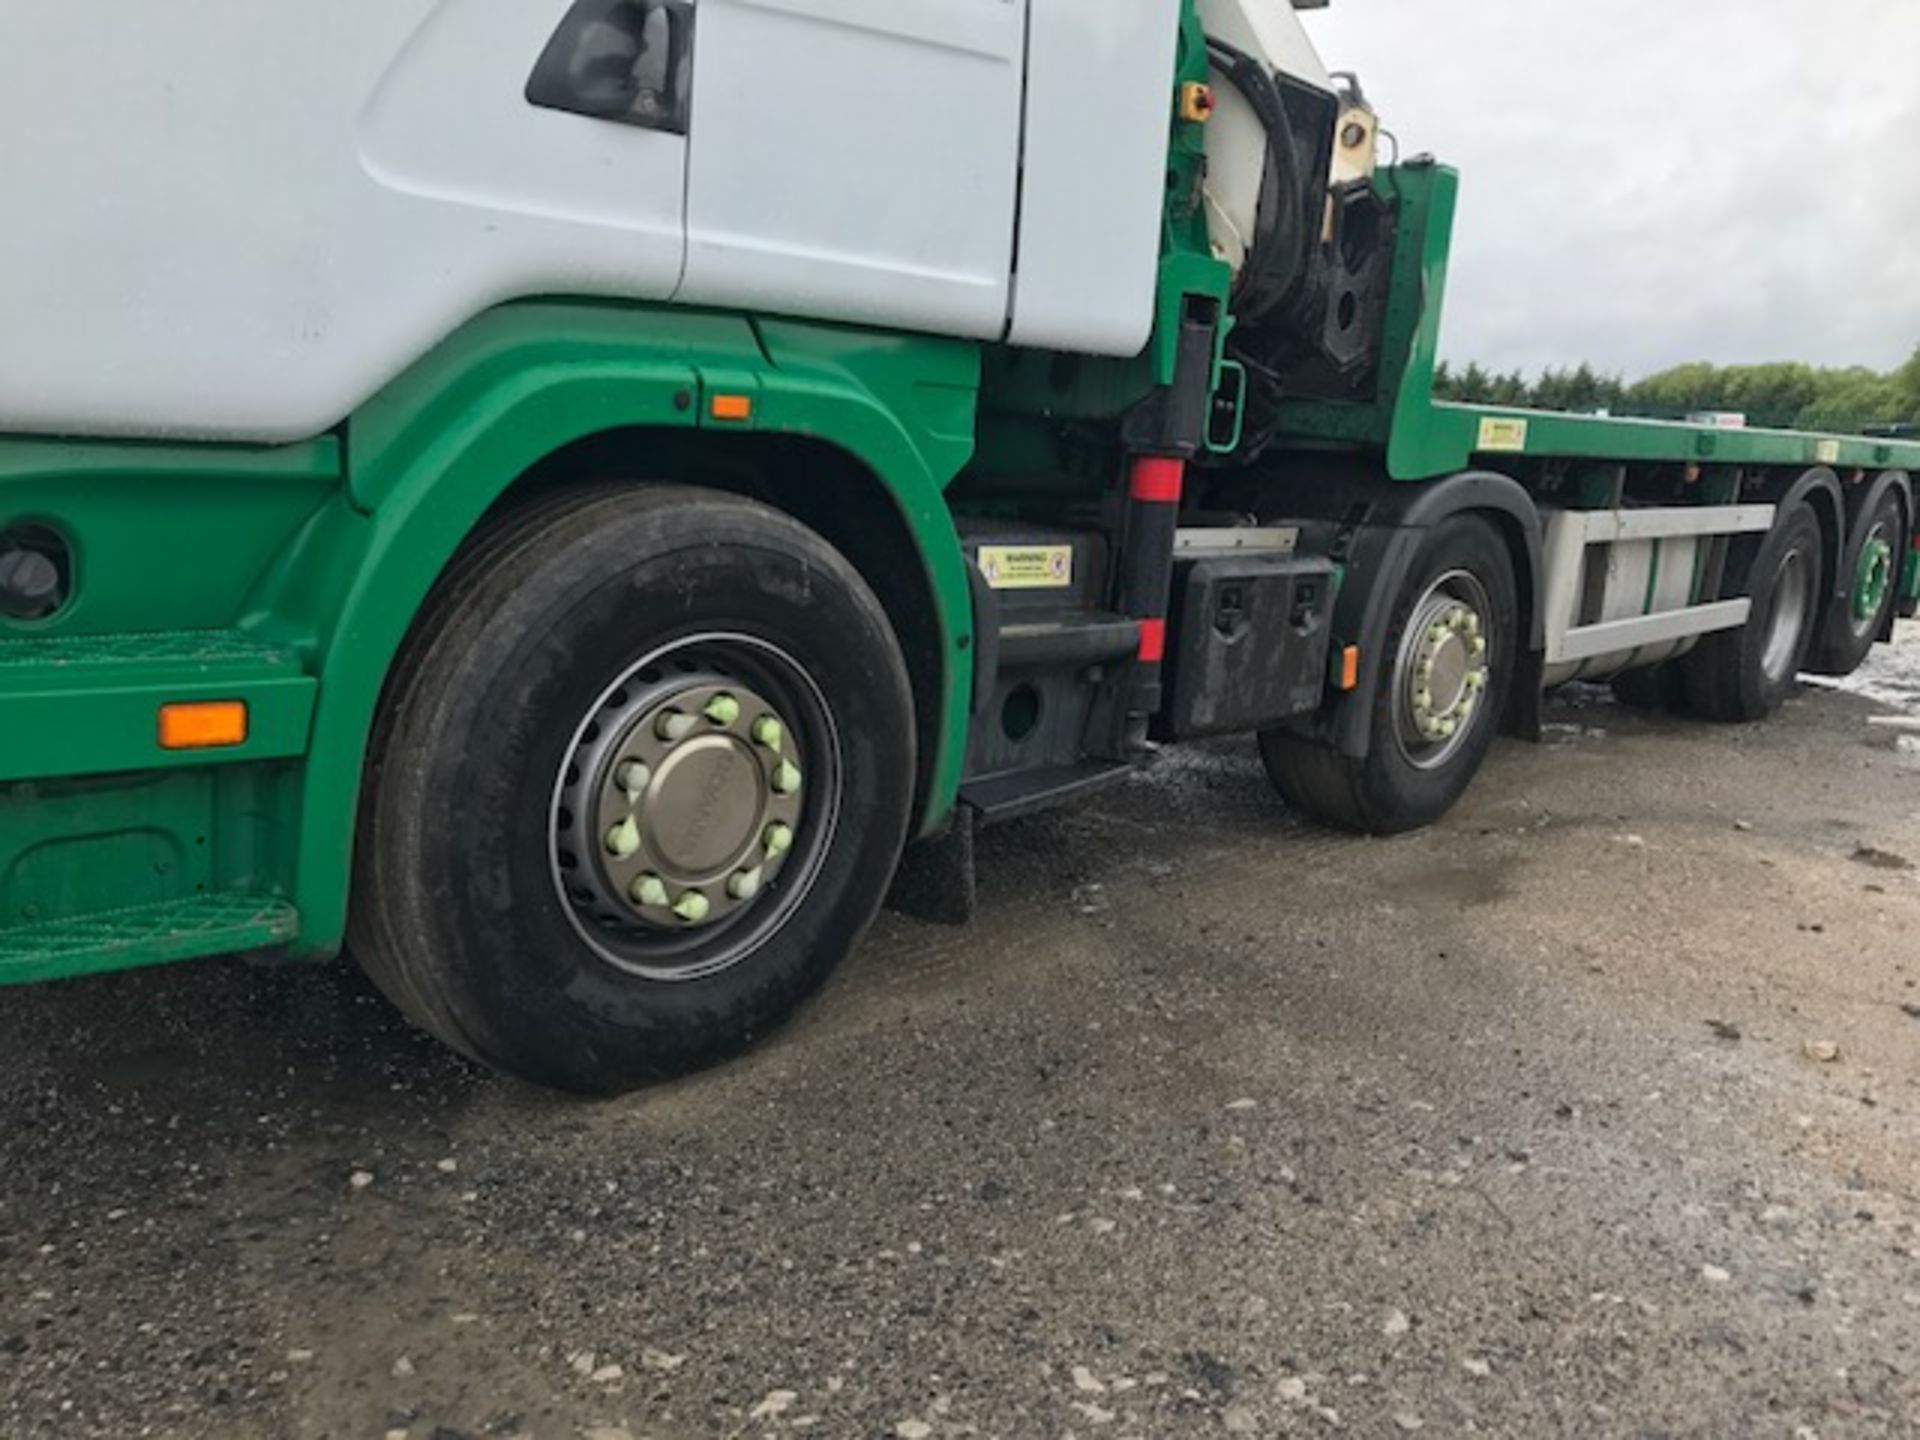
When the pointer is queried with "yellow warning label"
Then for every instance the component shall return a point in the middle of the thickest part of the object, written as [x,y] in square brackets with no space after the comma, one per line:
[1826,452]
[1499,433]
[1027,567]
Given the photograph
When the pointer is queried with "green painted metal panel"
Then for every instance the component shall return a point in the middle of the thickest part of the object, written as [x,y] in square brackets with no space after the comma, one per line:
[164,537]
[107,871]
[1450,435]
[59,730]
[433,451]
[90,705]
[288,576]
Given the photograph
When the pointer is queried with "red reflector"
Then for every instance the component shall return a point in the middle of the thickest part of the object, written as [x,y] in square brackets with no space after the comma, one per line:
[1153,641]
[1156,480]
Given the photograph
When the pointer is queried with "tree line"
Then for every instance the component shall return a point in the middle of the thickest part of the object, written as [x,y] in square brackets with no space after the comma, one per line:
[1784,395]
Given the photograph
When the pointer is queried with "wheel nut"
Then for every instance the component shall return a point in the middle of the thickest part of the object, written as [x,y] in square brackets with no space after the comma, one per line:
[1470,623]
[692,907]
[1476,680]
[623,839]
[768,731]
[634,776]
[744,884]
[1476,647]
[673,725]
[648,890]
[723,710]
[778,839]
[786,778]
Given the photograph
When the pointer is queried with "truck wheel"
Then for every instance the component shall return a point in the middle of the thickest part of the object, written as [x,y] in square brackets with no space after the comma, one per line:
[1451,647]
[1857,619]
[640,779]
[1745,674]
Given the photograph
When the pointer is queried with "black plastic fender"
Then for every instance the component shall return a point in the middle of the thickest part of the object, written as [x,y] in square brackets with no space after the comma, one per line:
[1376,556]
[986,639]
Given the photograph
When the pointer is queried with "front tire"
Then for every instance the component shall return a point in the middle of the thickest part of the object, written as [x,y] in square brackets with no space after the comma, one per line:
[1450,658]
[641,777]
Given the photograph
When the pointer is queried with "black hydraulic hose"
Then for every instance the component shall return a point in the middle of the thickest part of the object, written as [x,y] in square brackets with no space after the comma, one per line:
[1255,81]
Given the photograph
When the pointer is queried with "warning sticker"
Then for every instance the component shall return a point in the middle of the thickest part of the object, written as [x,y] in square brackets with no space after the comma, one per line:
[1826,452]
[1027,567]
[1499,433]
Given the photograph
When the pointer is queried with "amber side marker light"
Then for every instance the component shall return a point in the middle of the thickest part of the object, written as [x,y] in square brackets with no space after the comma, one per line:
[732,407]
[1349,667]
[203,724]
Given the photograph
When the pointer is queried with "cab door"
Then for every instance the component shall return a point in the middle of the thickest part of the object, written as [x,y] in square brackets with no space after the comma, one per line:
[856,159]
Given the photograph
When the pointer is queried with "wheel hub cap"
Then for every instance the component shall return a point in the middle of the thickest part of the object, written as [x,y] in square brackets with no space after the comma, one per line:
[1449,672]
[1871,579]
[696,803]
[1442,670]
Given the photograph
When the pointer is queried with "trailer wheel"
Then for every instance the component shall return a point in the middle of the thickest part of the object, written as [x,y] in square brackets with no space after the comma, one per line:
[1745,674]
[1452,642]
[1858,618]
[641,777]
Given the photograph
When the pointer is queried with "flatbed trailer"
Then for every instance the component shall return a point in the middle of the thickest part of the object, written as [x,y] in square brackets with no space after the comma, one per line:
[1427,439]
[573,515]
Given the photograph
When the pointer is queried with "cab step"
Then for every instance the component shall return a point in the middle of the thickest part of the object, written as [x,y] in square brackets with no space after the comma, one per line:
[145,935]
[1021,792]
[90,704]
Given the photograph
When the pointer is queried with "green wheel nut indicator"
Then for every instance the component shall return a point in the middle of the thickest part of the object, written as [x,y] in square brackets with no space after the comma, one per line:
[623,839]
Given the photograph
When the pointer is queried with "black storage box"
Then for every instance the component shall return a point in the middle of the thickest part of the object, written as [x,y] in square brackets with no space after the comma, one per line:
[1247,643]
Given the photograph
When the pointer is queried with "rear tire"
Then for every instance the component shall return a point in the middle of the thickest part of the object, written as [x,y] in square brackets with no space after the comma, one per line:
[1745,674]
[1421,756]
[606,660]
[1857,619]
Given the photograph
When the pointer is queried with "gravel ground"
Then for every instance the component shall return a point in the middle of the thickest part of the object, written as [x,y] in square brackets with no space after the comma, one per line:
[1593,1111]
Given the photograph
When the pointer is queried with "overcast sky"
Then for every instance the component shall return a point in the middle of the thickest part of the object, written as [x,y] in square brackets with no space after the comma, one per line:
[1651,181]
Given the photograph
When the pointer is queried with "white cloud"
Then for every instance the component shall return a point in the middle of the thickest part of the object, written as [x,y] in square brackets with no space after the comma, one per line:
[1651,181]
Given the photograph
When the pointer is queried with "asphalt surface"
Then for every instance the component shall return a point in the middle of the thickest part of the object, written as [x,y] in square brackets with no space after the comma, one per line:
[1594,1111]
